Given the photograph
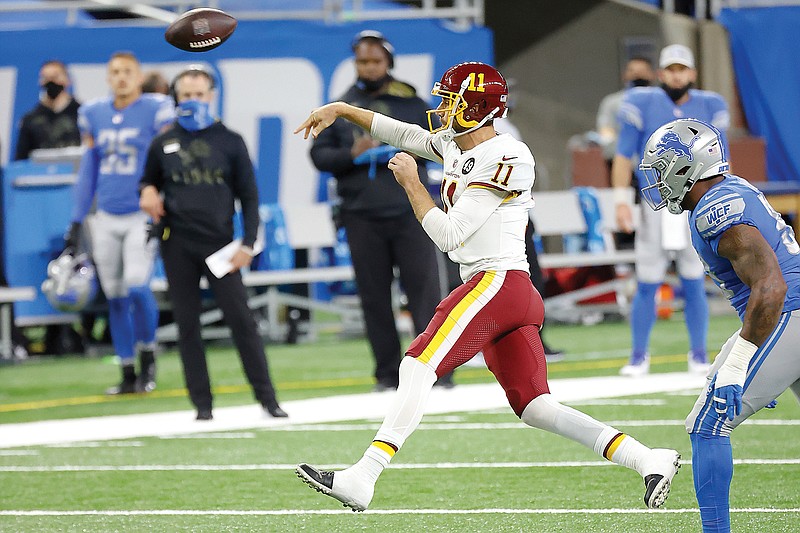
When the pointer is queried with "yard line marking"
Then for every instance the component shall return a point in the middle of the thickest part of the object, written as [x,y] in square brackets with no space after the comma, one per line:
[91,444]
[9,453]
[619,402]
[394,466]
[509,425]
[232,435]
[282,512]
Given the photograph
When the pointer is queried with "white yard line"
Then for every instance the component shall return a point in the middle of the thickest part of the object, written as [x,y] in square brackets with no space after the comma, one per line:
[463,398]
[283,512]
[393,466]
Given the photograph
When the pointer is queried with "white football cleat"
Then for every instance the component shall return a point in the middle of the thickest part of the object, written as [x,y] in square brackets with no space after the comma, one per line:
[344,485]
[697,366]
[636,368]
[658,471]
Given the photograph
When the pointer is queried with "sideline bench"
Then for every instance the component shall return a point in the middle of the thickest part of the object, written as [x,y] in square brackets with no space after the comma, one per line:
[559,213]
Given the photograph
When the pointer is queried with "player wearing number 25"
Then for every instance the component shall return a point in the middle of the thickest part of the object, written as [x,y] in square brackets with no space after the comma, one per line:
[116,132]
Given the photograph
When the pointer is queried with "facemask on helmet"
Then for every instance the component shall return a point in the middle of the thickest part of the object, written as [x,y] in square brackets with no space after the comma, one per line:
[71,283]
[472,94]
[678,155]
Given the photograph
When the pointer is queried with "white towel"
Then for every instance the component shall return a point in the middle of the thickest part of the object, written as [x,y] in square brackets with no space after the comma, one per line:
[674,230]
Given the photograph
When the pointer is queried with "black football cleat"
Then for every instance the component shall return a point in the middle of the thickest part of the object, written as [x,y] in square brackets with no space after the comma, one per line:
[127,385]
[146,381]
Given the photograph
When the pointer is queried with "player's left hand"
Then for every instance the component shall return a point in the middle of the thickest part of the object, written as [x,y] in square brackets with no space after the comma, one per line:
[404,167]
[240,260]
[728,400]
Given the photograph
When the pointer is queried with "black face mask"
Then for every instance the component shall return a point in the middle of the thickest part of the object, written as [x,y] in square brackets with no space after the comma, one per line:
[372,86]
[52,89]
[640,82]
[676,94]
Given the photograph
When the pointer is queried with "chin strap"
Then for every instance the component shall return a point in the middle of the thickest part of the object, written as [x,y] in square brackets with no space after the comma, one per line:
[486,119]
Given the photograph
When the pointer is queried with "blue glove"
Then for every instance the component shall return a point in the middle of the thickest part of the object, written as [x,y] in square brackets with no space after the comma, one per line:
[728,400]
[771,405]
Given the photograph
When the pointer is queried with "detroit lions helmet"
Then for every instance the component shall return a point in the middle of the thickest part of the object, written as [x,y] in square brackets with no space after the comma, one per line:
[71,283]
[472,94]
[678,155]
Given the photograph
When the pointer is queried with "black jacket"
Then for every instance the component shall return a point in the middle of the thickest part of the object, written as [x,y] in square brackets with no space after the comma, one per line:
[44,128]
[200,174]
[380,197]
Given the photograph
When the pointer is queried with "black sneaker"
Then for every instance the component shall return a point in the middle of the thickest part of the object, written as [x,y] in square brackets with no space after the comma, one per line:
[146,382]
[127,385]
[274,410]
[204,414]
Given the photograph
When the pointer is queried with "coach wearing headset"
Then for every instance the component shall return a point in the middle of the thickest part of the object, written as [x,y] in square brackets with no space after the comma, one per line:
[380,225]
[201,167]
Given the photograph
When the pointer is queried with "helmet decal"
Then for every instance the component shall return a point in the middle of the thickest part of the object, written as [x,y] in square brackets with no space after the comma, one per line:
[671,141]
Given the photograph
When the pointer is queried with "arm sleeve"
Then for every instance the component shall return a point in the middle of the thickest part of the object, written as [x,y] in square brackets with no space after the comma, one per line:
[714,218]
[328,152]
[152,174]
[406,136]
[246,190]
[86,184]
[473,208]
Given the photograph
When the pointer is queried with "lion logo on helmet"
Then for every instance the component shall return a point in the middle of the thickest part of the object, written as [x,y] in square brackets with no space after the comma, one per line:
[672,141]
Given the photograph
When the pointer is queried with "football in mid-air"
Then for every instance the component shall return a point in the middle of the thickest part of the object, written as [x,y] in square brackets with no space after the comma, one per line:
[200,30]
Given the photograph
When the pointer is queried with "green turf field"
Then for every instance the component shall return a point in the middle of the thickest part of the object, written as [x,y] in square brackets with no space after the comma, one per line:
[459,472]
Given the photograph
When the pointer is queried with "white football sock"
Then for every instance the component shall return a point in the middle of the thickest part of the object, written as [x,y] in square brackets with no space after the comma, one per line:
[545,413]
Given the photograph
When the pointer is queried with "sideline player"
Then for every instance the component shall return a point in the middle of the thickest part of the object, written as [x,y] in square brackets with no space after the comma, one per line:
[753,256]
[486,196]
[662,237]
[116,132]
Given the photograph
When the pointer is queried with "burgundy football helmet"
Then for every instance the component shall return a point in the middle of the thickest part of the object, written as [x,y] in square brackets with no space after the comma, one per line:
[472,94]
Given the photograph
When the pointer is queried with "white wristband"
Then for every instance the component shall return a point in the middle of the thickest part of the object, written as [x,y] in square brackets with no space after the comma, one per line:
[622,195]
[734,369]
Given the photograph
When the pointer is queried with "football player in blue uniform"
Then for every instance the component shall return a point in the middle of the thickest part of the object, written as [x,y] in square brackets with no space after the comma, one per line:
[753,256]
[116,132]
[657,240]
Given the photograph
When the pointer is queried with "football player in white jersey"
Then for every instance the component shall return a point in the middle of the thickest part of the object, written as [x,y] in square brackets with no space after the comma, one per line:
[486,196]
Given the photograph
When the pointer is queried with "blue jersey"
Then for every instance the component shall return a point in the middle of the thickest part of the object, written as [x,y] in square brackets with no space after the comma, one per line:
[734,201]
[121,138]
[645,109]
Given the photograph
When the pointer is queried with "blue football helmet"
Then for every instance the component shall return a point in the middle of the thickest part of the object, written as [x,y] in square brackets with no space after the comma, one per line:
[71,282]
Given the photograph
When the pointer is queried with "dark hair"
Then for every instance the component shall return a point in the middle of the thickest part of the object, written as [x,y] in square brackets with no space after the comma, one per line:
[376,37]
[57,62]
[155,82]
[191,70]
[642,58]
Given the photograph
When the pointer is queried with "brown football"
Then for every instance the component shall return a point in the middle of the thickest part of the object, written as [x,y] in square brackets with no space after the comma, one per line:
[200,30]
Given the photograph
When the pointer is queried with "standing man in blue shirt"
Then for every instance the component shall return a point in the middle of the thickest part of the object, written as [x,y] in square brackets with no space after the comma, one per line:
[753,256]
[116,132]
[662,237]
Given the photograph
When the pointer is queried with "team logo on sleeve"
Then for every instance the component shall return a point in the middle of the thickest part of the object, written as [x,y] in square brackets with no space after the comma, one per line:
[672,141]
[469,164]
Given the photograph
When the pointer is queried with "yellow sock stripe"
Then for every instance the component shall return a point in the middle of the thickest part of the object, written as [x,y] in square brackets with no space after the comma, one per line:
[384,447]
[613,445]
[452,318]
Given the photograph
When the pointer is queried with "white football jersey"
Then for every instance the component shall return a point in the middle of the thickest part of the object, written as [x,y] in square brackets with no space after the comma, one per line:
[503,165]
[506,166]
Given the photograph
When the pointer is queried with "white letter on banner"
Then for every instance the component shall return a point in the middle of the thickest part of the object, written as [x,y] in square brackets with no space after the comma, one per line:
[8,87]
[287,88]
